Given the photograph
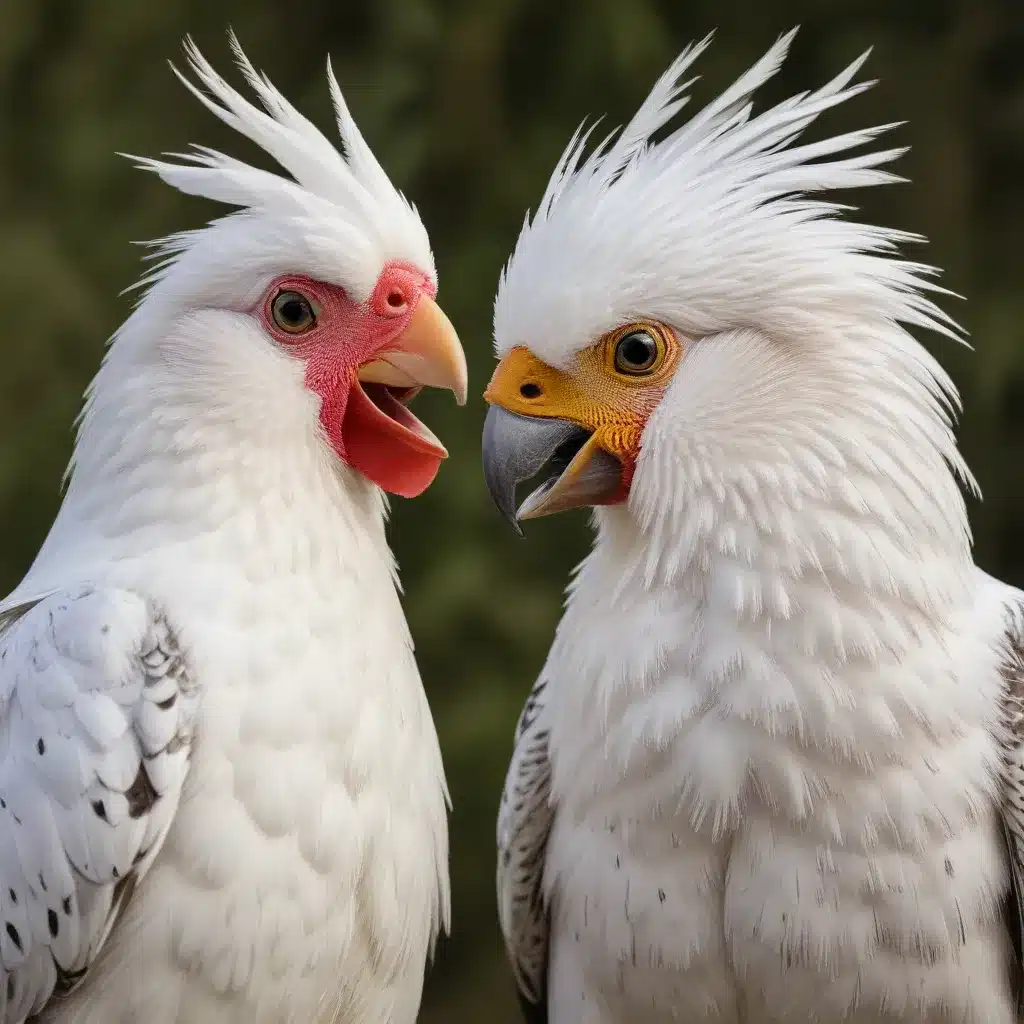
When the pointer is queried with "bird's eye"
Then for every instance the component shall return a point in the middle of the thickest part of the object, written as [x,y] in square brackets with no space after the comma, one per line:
[293,312]
[637,352]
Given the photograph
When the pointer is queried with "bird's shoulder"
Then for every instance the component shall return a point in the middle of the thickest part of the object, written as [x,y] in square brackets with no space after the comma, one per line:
[98,705]
[525,818]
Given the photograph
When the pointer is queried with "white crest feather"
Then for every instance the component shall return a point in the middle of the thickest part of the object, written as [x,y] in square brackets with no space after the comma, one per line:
[711,228]
[341,214]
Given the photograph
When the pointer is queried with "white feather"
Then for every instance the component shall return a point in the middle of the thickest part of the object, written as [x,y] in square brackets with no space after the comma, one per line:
[710,229]
[775,707]
[291,863]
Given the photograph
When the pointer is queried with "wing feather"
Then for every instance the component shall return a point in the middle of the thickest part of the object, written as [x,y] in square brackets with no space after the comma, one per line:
[524,823]
[1012,671]
[97,711]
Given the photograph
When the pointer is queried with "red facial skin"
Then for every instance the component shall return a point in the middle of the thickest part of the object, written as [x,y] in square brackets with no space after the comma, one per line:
[377,437]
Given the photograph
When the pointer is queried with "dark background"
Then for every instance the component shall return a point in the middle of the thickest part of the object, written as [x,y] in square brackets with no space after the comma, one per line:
[468,105]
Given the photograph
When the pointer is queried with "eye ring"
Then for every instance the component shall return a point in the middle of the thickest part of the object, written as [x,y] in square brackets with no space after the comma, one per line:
[292,312]
[639,351]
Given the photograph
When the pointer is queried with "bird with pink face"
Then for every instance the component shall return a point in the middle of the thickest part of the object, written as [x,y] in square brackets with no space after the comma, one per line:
[221,792]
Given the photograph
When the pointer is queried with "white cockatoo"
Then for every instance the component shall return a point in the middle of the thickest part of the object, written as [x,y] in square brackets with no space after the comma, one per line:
[221,792]
[772,768]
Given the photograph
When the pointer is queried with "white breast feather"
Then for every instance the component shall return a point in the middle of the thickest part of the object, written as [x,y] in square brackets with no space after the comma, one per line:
[782,715]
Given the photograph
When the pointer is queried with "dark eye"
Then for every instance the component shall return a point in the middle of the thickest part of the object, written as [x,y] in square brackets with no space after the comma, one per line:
[293,312]
[636,352]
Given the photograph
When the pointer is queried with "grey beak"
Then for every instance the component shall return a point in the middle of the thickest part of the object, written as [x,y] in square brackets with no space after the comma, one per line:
[516,448]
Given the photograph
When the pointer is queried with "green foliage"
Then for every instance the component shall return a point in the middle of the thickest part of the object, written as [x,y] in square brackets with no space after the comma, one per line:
[468,104]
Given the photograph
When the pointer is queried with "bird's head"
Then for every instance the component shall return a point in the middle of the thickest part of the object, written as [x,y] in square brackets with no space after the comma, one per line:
[313,305]
[684,331]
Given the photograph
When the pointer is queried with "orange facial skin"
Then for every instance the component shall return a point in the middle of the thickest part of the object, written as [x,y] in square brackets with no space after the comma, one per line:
[601,392]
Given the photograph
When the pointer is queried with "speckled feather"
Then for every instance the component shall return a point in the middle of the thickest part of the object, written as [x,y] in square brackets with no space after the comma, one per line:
[777,762]
[524,820]
[527,814]
[99,711]
[1012,670]
[288,865]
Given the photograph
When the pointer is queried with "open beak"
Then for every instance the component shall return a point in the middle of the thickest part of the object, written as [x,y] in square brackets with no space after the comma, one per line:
[426,354]
[578,472]
[562,424]
[581,425]
[383,439]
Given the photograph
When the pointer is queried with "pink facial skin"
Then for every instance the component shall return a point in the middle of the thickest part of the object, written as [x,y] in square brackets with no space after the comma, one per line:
[367,425]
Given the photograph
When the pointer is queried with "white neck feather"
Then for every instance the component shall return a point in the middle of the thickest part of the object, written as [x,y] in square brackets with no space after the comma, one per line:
[192,431]
[780,479]
[794,537]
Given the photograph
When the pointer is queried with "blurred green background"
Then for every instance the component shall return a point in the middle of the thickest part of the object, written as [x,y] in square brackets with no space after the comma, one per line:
[468,105]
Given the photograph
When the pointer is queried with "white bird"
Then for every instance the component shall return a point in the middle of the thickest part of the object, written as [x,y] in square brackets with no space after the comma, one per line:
[767,768]
[221,793]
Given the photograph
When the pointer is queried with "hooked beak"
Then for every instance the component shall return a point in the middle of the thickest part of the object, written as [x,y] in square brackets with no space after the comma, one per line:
[516,448]
[382,437]
[426,354]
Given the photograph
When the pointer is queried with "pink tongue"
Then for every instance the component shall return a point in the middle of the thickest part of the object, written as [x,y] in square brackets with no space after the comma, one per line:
[388,447]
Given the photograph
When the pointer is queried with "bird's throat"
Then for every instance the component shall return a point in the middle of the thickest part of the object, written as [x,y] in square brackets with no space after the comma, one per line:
[377,435]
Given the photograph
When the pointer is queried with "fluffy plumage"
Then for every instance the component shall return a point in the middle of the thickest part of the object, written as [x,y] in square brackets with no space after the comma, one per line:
[767,768]
[339,217]
[725,201]
[221,793]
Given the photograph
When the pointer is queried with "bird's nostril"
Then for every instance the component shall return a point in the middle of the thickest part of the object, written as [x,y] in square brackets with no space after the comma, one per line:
[396,300]
[530,390]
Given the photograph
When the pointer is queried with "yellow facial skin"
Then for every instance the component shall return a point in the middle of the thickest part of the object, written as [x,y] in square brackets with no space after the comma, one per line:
[608,391]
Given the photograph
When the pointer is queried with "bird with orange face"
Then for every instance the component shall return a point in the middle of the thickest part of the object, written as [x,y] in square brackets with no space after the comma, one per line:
[773,767]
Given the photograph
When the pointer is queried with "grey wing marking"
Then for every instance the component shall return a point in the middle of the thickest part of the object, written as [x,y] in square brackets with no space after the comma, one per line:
[97,710]
[1012,671]
[524,823]
[11,615]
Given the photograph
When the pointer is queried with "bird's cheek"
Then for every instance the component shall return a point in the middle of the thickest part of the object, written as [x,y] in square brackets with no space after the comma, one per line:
[621,438]
[364,400]
[334,390]
[618,417]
